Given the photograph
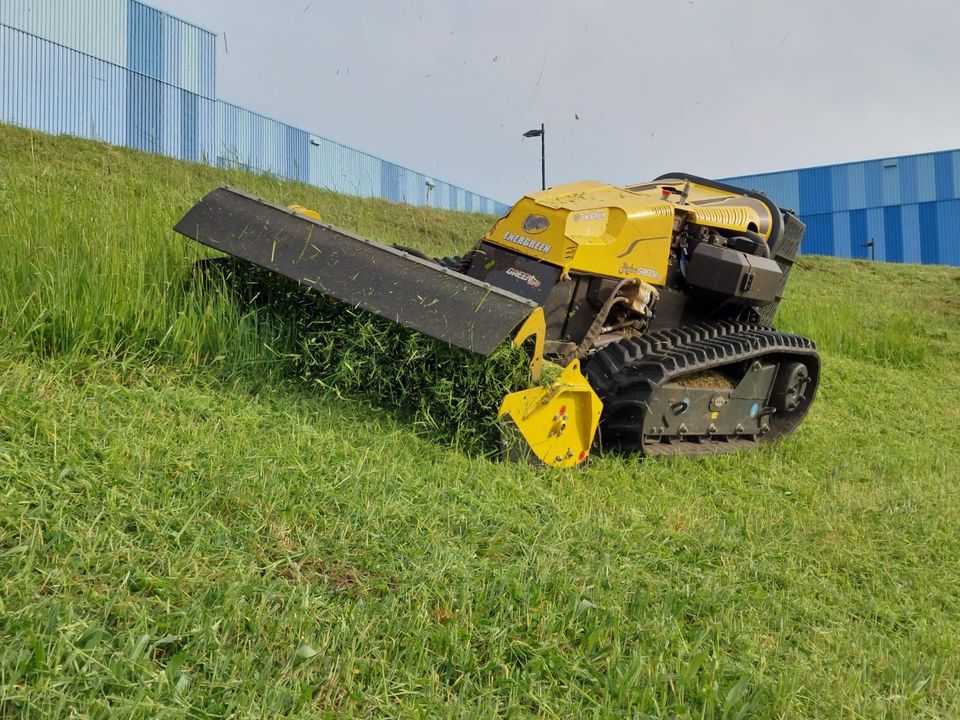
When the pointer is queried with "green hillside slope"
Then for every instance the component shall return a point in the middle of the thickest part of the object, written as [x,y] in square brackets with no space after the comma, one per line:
[188,530]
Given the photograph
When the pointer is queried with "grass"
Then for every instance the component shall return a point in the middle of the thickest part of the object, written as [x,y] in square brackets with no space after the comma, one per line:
[444,392]
[188,531]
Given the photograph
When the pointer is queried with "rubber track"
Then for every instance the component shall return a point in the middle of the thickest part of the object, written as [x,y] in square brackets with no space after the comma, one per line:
[626,373]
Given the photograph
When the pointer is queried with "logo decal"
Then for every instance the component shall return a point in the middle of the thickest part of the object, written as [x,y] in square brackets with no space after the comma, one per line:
[593,215]
[627,269]
[535,224]
[529,279]
[527,242]
[629,249]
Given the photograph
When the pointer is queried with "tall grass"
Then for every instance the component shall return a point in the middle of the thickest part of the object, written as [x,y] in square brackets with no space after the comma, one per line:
[889,331]
[92,265]
[448,393]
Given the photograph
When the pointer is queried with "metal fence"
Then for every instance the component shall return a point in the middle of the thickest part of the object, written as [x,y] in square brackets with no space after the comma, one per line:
[127,74]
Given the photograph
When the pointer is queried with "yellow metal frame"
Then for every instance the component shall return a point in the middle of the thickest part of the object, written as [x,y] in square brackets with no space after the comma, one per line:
[557,422]
[534,326]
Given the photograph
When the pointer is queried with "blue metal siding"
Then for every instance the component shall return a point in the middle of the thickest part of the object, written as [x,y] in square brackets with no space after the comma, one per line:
[189,126]
[94,27]
[145,40]
[50,88]
[873,175]
[955,165]
[172,53]
[390,182]
[875,229]
[208,59]
[948,231]
[926,180]
[910,232]
[816,190]
[56,89]
[929,232]
[819,239]
[893,233]
[416,188]
[859,234]
[783,186]
[297,155]
[144,117]
[857,186]
[890,178]
[841,234]
[944,175]
[840,187]
[908,181]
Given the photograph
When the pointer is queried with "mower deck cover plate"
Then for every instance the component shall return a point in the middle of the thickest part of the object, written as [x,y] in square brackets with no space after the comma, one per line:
[381,279]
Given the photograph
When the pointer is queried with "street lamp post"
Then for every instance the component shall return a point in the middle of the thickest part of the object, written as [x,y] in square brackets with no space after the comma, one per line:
[543,153]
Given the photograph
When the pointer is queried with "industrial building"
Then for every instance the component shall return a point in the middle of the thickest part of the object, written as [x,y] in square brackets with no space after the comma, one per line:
[128,74]
[898,209]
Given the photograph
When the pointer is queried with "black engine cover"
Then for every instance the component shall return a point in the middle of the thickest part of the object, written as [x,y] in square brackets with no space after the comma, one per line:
[751,279]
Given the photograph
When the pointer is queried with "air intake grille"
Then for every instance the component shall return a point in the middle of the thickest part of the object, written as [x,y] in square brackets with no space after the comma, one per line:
[784,250]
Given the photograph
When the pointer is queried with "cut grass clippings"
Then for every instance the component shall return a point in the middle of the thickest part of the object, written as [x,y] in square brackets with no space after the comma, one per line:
[447,393]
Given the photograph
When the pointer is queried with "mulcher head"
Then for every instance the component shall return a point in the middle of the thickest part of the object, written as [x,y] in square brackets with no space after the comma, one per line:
[378,278]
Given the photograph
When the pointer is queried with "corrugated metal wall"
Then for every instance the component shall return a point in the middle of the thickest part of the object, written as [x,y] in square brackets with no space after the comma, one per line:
[128,74]
[909,206]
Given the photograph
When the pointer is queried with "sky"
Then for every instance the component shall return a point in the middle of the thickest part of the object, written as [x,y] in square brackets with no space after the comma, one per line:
[627,90]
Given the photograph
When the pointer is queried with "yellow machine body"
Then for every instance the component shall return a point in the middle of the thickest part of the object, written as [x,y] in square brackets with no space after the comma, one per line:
[599,229]
[618,232]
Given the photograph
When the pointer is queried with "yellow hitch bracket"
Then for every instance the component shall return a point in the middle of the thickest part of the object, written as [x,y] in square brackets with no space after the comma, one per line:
[557,422]
[534,325]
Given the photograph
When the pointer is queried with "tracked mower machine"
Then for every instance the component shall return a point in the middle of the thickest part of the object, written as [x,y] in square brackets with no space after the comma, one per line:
[655,300]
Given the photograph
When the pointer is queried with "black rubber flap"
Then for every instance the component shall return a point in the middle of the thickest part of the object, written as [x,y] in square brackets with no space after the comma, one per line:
[393,284]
